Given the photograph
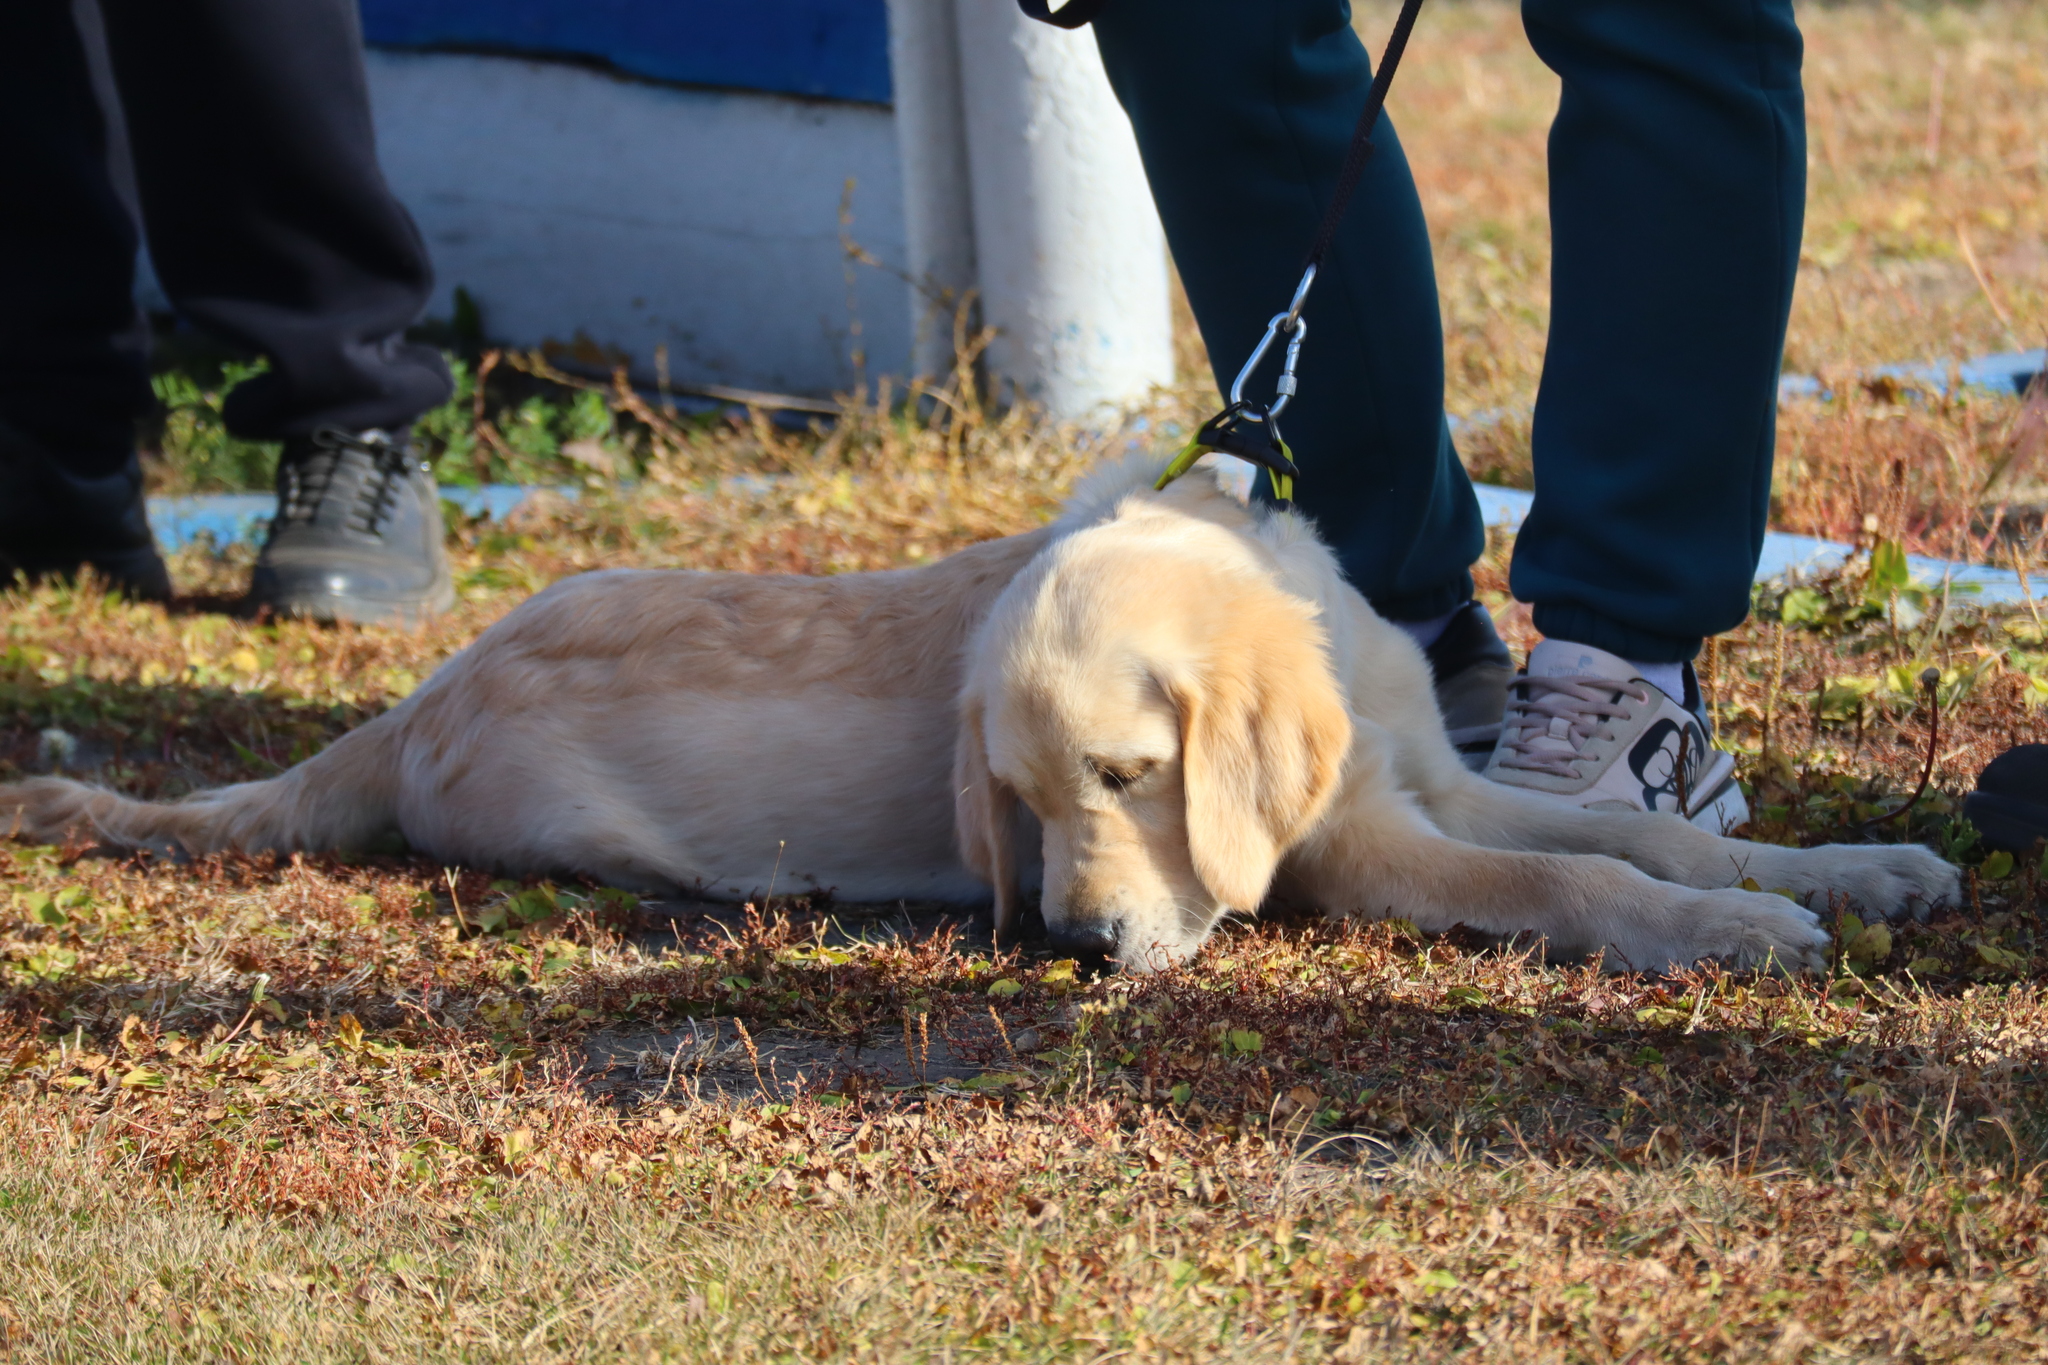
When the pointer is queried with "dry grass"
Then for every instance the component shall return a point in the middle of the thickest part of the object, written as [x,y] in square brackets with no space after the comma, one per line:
[314,1110]
[300,1112]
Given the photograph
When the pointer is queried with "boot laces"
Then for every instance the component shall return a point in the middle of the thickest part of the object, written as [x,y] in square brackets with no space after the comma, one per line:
[308,481]
[1550,721]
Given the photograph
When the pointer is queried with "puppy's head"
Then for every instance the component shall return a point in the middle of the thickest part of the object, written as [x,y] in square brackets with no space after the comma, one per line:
[1168,713]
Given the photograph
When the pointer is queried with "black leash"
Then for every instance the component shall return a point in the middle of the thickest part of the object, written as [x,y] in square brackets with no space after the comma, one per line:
[1360,151]
[1248,430]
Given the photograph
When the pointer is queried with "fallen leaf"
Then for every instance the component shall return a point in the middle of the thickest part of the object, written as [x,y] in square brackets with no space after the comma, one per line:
[1873,945]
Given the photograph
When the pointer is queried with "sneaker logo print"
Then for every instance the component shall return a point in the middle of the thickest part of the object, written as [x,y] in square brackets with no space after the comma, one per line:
[1654,761]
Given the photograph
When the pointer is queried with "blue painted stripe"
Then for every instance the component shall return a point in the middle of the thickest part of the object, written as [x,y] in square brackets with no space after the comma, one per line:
[827,49]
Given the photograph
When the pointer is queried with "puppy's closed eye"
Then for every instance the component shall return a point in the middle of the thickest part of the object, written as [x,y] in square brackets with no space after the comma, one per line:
[1121,774]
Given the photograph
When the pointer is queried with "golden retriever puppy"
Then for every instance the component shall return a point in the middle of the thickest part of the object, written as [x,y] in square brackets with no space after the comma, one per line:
[1197,711]
[1157,710]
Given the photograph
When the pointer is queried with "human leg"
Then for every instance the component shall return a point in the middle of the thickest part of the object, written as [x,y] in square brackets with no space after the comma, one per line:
[270,224]
[1677,185]
[1243,113]
[268,219]
[73,361]
[1677,166]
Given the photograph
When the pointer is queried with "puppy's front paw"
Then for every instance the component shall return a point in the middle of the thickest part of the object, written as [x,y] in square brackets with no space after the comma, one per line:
[1747,929]
[1894,881]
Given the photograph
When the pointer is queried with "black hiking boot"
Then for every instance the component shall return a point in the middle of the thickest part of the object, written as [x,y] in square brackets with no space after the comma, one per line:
[54,522]
[357,536]
[1472,670]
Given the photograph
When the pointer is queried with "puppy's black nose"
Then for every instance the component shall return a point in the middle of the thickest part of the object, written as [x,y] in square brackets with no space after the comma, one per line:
[1091,947]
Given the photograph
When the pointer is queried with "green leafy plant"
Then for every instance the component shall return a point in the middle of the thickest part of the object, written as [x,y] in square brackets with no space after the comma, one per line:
[195,453]
[521,430]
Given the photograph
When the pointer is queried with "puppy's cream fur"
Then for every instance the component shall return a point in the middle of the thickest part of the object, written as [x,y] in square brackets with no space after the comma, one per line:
[1160,709]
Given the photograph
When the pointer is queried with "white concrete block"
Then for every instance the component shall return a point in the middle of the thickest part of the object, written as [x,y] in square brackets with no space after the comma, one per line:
[566,200]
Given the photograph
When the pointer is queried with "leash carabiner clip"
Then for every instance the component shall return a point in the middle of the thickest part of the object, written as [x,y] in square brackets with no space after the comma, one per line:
[1295,327]
[1246,429]
[1308,280]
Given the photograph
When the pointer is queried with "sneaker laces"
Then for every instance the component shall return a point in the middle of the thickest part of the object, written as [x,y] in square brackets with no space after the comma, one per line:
[1550,720]
[308,480]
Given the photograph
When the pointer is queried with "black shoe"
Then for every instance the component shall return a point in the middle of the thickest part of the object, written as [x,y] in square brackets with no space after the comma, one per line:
[54,523]
[357,535]
[1472,670]
[2010,806]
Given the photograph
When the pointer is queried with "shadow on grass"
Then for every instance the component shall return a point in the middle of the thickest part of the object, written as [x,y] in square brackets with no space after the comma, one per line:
[158,740]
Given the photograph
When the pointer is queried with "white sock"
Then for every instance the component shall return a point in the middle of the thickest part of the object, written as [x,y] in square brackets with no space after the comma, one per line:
[1427,633]
[1669,678]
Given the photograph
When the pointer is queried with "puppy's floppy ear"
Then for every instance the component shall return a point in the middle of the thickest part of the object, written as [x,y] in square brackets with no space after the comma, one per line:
[985,821]
[1264,734]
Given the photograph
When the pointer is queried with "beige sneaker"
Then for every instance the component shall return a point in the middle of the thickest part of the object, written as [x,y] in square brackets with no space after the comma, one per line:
[1582,727]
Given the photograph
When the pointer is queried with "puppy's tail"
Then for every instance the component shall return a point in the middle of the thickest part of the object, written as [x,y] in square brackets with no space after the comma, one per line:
[341,798]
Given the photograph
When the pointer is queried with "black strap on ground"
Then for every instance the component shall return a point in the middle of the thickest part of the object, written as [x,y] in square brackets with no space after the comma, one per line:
[1073,14]
[1360,151]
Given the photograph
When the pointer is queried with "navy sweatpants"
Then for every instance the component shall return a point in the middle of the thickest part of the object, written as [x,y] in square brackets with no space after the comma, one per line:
[1677,184]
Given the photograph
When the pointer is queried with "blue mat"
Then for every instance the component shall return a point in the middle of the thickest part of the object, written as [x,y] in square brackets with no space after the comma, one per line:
[1801,556]
[232,517]
[2009,372]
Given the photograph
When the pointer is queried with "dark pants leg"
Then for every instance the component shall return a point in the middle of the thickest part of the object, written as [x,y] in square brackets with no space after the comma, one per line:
[1677,188]
[1243,111]
[73,356]
[268,219]
[74,371]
